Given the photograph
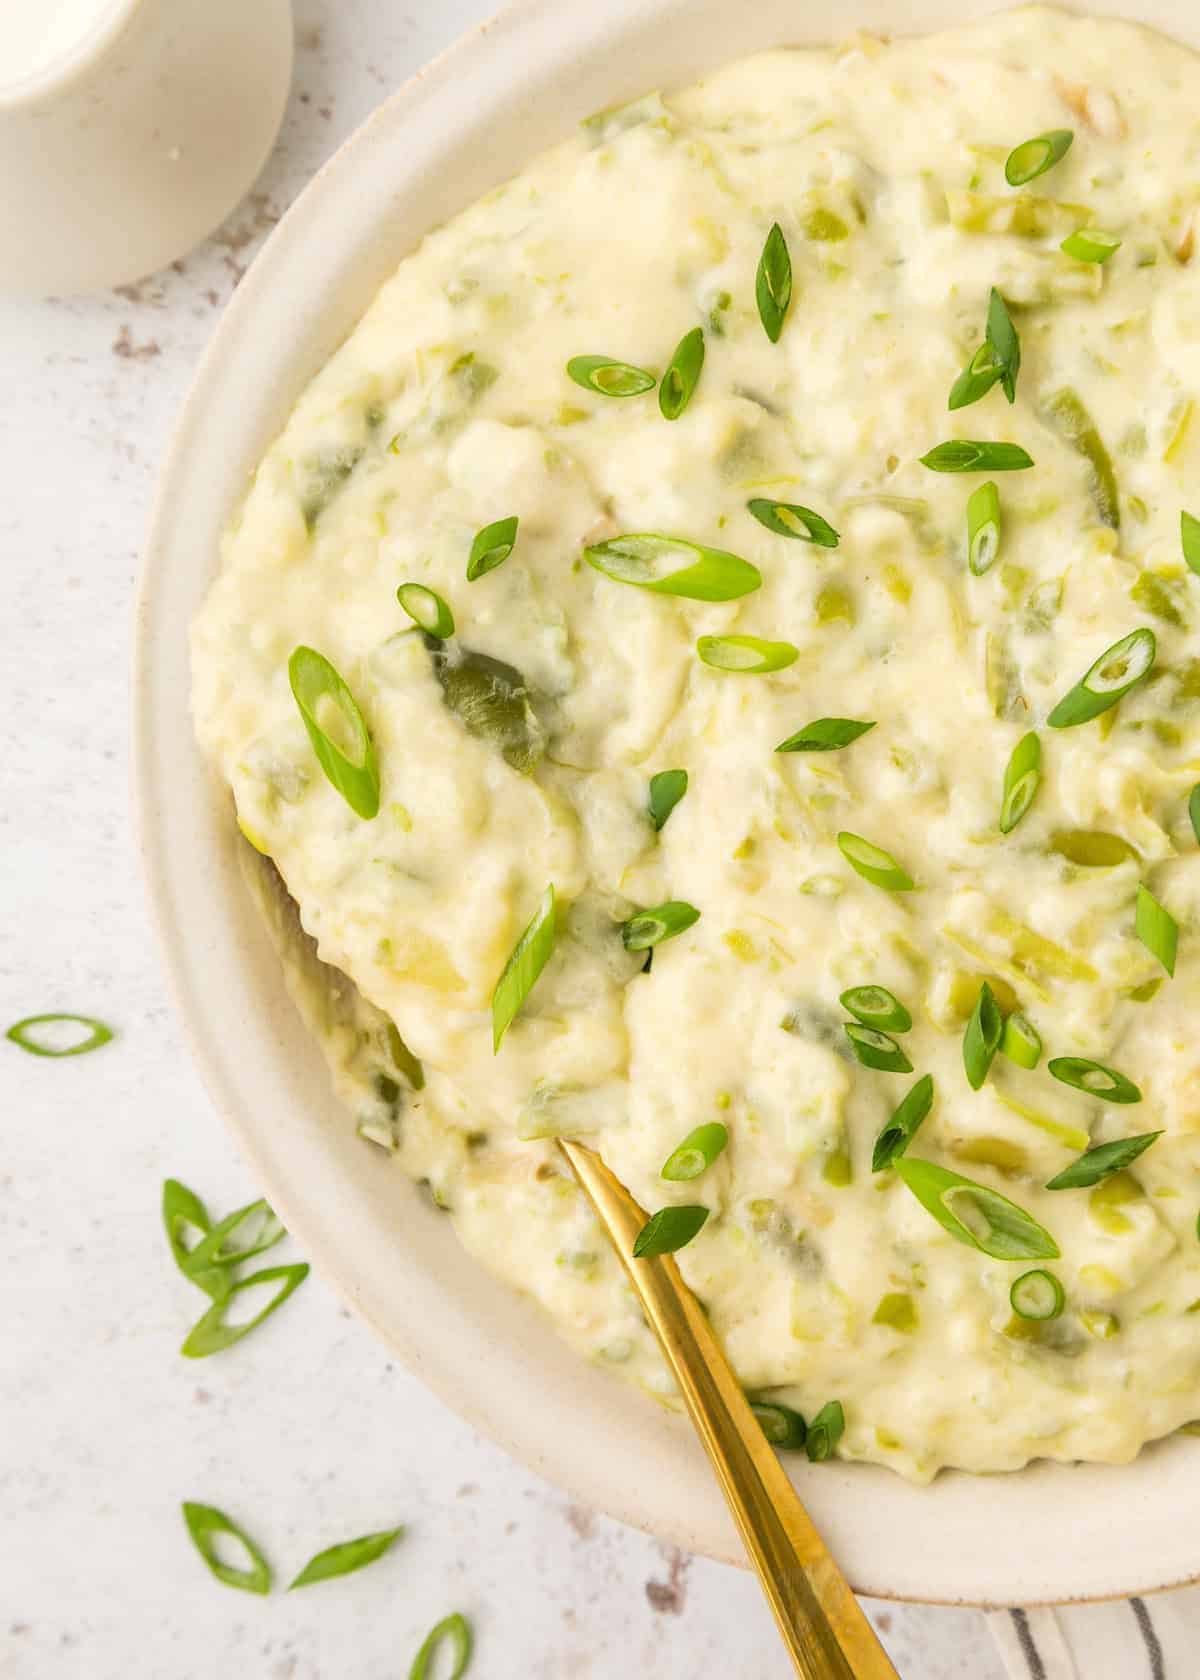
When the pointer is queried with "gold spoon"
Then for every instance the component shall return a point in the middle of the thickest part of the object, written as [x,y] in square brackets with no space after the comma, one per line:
[827,1635]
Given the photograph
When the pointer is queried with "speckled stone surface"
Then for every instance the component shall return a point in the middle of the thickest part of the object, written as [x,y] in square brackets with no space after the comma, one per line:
[307,1433]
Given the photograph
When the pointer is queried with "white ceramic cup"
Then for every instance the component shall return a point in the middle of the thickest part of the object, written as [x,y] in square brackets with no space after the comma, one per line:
[128,131]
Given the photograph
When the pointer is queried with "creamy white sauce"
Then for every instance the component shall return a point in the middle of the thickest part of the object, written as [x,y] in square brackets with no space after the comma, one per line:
[449,408]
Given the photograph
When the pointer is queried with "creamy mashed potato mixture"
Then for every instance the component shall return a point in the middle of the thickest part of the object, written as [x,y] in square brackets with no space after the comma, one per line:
[955,611]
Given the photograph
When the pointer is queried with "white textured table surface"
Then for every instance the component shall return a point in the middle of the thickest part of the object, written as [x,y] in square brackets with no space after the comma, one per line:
[307,1432]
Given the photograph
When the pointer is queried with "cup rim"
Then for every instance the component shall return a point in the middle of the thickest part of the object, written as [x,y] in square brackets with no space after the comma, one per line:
[69,67]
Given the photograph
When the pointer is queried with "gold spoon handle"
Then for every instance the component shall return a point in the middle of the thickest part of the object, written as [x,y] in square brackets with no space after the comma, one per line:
[822,1625]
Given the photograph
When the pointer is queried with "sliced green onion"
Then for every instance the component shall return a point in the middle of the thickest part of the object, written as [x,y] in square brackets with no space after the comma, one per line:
[609,377]
[1021,780]
[773,283]
[783,1427]
[674,566]
[825,1431]
[318,689]
[345,1558]
[875,1049]
[976,379]
[873,863]
[526,961]
[789,519]
[426,608]
[205,1523]
[1021,1042]
[1002,336]
[1189,536]
[896,1136]
[1157,929]
[975,1214]
[39,1043]
[1037,1295]
[211,1334]
[983,528]
[1033,157]
[1118,669]
[1101,1161]
[750,655]
[651,927]
[240,1236]
[492,547]
[669,1230]
[696,1153]
[961,455]
[184,1212]
[1094,1078]
[683,372]
[454,1632]
[875,1006]
[1090,245]
[982,1037]
[825,735]
[667,788]
[1194,810]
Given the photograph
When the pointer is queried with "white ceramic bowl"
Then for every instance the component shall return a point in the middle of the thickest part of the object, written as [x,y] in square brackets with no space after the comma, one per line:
[468,121]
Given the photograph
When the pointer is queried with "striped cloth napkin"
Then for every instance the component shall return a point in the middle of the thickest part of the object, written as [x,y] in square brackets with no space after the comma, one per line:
[1154,1638]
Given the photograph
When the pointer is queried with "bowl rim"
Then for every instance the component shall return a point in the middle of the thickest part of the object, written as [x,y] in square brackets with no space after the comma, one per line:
[694,1520]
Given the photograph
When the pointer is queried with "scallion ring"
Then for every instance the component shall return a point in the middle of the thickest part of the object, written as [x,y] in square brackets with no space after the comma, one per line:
[873,863]
[609,377]
[491,547]
[696,1153]
[783,1427]
[1021,779]
[1034,157]
[773,283]
[30,1034]
[323,697]
[1037,1295]
[876,1049]
[983,528]
[749,655]
[825,735]
[1101,1161]
[183,1213]
[683,372]
[668,1230]
[206,1524]
[1107,680]
[667,788]
[896,1136]
[875,1006]
[453,1632]
[789,519]
[346,1558]
[982,1037]
[674,566]
[1094,1078]
[1090,245]
[240,1236]
[526,961]
[962,455]
[651,927]
[211,1334]
[976,379]
[1021,1042]
[1157,929]
[975,1214]
[1002,336]
[427,609]
[825,1431]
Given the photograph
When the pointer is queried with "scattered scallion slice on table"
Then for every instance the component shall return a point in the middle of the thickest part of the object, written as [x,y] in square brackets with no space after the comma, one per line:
[1101,1161]
[825,1431]
[453,1633]
[1021,779]
[983,528]
[1090,245]
[1094,1078]
[667,788]
[900,1130]
[212,1334]
[42,1035]
[183,1212]
[526,961]
[491,547]
[749,655]
[1021,1042]
[427,609]
[1005,344]
[610,377]
[345,1558]
[1189,536]
[682,375]
[1107,680]
[962,455]
[873,863]
[876,1049]
[321,696]
[825,735]
[207,1525]
[668,1230]
[674,566]
[975,1214]
[783,1427]
[875,1006]
[1034,157]
[982,1037]
[1037,1295]
[1157,929]
[240,1236]
[696,1153]
[773,283]
[664,921]
[789,519]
